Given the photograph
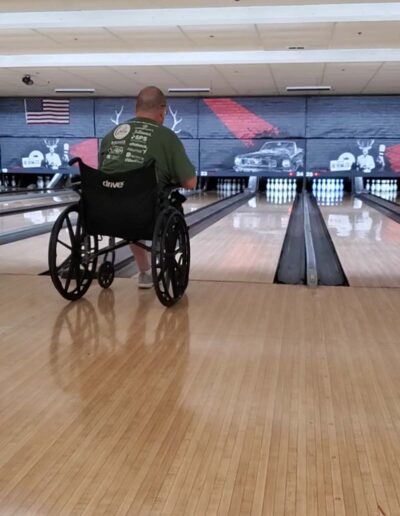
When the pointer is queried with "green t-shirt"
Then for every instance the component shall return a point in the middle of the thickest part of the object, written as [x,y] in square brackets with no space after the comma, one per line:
[137,142]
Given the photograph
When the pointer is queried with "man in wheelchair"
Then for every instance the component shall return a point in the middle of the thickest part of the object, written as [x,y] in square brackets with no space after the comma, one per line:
[140,141]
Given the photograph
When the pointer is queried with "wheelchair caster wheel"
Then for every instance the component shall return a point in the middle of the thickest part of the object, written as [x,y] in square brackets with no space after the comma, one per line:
[105,274]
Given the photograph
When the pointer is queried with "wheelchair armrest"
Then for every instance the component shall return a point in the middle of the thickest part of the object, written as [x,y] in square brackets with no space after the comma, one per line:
[176,199]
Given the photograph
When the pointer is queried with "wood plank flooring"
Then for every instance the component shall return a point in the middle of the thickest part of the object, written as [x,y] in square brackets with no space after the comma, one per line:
[367,243]
[243,246]
[242,399]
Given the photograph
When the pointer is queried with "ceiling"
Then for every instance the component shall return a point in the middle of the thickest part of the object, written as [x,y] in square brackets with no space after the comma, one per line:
[233,47]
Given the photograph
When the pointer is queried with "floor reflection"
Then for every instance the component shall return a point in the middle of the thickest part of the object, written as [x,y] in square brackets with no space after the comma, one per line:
[262,215]
[91,341]
[355,219]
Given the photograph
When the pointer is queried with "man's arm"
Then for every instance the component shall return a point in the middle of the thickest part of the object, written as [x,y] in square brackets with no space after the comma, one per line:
[183,169]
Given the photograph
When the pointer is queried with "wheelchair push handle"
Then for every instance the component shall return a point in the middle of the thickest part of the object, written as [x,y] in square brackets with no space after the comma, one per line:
[75,180]
[75,160]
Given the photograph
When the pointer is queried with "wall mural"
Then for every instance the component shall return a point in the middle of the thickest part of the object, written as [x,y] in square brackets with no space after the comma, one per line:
[241,136]
[181,116]
[359,156]
[353,117]
[192,148]
[280,158]
[42,117]
[45,155]
[248,118]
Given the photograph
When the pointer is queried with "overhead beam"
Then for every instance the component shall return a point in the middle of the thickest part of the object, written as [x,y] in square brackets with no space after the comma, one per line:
[207,16]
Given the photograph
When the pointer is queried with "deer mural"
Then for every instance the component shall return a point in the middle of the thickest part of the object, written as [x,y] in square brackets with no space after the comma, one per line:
[52,159]
[175,119]
[365,144]
[115,120]
[365,162]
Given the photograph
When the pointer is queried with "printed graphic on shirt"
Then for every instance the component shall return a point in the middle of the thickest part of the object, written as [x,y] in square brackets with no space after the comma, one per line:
[122,131]
[138,143]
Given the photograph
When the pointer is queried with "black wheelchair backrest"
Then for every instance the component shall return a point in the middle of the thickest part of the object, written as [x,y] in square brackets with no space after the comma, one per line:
[122,204]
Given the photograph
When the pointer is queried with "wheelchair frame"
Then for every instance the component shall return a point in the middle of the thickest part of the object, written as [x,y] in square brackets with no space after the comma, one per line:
[74,252]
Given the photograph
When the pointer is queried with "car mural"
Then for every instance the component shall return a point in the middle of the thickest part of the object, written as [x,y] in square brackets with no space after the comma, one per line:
[282,156]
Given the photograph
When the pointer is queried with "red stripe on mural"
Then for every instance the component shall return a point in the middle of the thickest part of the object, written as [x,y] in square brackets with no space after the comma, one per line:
[240,121]
[87,151]
[393,155]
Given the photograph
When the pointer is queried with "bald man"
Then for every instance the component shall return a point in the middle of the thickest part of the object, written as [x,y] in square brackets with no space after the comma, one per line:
[137,142]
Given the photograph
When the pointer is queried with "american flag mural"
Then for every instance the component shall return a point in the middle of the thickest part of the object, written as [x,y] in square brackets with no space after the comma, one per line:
[46,111]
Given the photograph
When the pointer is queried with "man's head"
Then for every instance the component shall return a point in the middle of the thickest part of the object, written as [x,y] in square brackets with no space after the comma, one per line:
[151,103]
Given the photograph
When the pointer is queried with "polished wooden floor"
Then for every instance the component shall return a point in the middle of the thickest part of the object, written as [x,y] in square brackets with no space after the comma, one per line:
[244,398]
[367,243]
[245,245]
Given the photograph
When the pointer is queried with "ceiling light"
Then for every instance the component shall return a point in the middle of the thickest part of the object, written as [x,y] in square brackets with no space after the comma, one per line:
[189,90]
[308,88]
[75,90]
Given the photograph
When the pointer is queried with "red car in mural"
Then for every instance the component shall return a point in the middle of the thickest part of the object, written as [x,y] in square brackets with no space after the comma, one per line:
[282,156]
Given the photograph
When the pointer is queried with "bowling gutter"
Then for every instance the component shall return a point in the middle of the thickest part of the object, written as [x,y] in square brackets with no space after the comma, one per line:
[308,256]
[388,208]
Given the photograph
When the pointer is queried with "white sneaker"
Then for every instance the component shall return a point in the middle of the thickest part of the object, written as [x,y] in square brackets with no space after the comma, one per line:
[145,280]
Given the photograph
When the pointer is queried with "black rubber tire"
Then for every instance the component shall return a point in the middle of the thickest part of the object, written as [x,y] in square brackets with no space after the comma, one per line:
[105,274]
[170,256]
[71,272]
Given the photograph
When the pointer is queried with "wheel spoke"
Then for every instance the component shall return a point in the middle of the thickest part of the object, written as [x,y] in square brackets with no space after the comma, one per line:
[160,277]
[59,267]
[64,244]
[70,230]
[69,277]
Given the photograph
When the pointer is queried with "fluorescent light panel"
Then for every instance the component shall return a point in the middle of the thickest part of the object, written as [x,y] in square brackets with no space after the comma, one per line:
[308,88]
[189,90]
[75,90]
[88,60]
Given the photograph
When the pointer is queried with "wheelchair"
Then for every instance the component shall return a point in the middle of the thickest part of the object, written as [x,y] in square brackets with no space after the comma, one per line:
[127,208]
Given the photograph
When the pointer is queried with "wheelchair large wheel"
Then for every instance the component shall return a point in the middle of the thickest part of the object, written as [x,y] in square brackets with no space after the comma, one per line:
[170,256]
[72,255]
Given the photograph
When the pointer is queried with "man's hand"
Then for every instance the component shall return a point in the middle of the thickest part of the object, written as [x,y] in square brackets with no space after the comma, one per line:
[190,184]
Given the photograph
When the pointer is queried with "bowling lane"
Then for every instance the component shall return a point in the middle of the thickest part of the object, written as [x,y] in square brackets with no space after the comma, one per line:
[199,200]
[34,218]
[243,246]
[15,202]
[389,196]
[29,256]
[367,243]
[28,219]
